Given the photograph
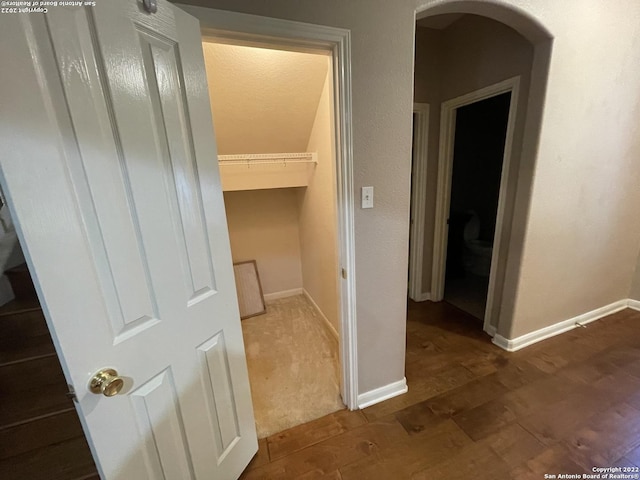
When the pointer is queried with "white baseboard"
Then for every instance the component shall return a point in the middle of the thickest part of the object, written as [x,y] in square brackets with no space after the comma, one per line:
[490,330]
[423,297]
[380,394]
[511,345]
[328,325]
[505,343]
[633,304]
[282,294]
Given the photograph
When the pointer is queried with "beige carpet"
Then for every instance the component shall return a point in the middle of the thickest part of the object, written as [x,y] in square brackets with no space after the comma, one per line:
[293,365]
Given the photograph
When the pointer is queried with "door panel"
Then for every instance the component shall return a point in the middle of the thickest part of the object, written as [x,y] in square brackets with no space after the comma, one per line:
[120,211]
[214,365]
[164,74]
[102,179]
[158,414]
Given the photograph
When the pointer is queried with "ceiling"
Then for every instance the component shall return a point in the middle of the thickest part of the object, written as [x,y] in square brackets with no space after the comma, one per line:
[263,101]
[439,22]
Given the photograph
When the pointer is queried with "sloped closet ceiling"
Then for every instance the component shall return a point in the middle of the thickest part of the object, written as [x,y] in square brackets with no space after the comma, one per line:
[263,101]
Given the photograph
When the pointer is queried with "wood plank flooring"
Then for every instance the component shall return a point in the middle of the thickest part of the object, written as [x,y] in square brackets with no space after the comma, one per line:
[475,411]
[40,432]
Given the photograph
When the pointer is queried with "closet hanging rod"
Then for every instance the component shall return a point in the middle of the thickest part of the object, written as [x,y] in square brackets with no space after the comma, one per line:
[268,158]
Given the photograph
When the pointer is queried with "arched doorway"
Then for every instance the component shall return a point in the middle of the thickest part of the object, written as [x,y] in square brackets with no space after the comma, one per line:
[480,27]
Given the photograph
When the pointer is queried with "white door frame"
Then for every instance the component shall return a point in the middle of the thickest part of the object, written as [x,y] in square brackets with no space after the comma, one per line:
[443,198]
[238,28]
[418,201]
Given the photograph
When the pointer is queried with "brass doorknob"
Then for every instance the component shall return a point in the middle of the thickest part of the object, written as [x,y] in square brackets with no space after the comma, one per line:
[106,382]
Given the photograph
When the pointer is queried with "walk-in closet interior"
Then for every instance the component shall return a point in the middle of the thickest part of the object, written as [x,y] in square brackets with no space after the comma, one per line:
[273,116]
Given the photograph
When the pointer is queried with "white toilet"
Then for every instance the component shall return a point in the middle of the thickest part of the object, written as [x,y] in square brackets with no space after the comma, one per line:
[478,252]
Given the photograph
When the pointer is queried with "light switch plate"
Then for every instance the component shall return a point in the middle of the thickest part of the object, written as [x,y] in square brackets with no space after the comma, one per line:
[367,197]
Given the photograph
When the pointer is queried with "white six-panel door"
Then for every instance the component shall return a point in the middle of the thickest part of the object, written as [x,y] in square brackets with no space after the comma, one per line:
[109,165]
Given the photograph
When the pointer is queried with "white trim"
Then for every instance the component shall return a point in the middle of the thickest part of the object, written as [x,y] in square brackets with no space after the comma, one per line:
[381,394]
[282,294]
[443,197]
[490,330]
[325,321]
[418,199]
[633,304]
[237,28]
[497,251]
[504,343]
[512,345]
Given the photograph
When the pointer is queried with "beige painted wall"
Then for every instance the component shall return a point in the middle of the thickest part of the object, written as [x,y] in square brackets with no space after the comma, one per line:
[581,231]
[263,226]
[477,52]
[318,240]
[472,53]
[257,93]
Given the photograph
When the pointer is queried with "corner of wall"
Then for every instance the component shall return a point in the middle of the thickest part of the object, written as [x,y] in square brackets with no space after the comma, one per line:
[318,214]
[634,291]
[383,393]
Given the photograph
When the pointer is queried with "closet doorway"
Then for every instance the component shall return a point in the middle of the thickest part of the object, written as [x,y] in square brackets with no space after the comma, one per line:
[275,132]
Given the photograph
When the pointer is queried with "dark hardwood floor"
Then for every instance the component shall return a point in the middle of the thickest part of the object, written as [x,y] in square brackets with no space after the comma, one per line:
[474,411]
[40,432]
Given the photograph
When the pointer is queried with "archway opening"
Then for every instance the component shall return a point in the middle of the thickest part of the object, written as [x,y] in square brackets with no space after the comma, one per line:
[463,50]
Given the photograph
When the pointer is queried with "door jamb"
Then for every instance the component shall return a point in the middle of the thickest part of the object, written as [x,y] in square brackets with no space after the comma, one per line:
[245,29]
[418,201]
[443,196]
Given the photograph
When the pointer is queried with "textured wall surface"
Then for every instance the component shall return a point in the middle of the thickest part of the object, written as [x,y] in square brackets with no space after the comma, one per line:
[263,101]
[318,220]
[582,231]
[263,226]
[583,228]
